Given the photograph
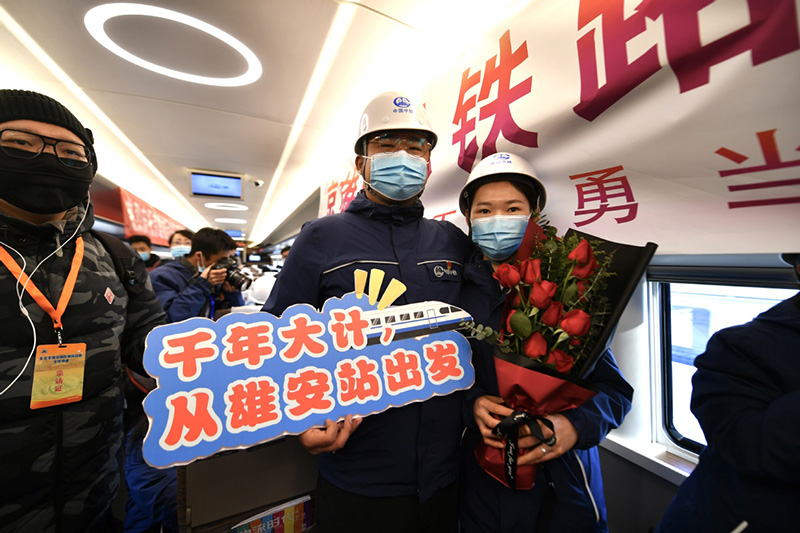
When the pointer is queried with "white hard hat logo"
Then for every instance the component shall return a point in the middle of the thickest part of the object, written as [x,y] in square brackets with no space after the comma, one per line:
[402,101]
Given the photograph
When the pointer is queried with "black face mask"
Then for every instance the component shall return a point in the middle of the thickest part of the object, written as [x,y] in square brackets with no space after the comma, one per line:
[42,185]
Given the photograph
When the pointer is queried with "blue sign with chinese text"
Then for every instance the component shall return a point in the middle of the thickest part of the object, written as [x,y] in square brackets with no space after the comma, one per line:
[249,378]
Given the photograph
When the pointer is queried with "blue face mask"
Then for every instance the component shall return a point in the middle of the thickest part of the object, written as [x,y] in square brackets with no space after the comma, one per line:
[179,250]
[144,255]
[398,175]
[499,236]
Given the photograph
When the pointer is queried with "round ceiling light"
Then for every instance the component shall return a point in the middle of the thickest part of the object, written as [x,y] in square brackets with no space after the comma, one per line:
[226,207]
[96,18]
[231,220]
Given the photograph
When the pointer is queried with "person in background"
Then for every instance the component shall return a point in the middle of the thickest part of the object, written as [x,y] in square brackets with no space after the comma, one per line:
[144,247]
[191,286]
[399,471]
[746,396]
[152,504]
[285,252]
[60,444]
[180,243]
[501,194]
[187,287]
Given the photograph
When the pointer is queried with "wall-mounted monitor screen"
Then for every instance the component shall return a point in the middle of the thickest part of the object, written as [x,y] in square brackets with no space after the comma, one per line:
[253,258]
[235,233]
[206,184]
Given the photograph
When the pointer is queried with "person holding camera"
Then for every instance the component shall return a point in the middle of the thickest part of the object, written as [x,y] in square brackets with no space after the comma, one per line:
[205,282]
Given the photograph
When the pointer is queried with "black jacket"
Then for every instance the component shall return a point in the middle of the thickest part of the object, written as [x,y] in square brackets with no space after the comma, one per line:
[60,465]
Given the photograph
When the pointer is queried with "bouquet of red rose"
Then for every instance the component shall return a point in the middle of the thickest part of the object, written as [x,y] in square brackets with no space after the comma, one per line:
[565,298]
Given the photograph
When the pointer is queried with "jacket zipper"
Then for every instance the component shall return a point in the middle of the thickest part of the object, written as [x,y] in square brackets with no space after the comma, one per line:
[586,485]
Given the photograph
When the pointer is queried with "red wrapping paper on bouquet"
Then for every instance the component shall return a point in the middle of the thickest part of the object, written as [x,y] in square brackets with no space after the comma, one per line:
[529,386]
[533,389]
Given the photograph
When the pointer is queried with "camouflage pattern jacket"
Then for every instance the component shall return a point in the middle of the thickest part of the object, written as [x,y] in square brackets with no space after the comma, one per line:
[60,466]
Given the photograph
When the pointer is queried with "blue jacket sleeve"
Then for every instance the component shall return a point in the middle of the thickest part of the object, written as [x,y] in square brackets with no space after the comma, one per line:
[749,418]
[299,279]
[154,491]
[605,410]
[181,299]
[234,298]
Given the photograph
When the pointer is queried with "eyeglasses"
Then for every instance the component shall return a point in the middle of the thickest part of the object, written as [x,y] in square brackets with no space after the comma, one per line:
[26,145]
[413,144]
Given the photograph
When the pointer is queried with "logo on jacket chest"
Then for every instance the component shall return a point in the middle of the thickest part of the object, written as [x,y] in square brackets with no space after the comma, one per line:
[447,270]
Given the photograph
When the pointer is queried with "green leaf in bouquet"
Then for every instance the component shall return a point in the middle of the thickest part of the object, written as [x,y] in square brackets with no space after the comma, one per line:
[571,293]
[562,337]
[520,325]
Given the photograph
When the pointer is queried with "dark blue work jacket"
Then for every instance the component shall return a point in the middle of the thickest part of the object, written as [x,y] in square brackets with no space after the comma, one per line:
[407,450]
[746,396]
[486,505]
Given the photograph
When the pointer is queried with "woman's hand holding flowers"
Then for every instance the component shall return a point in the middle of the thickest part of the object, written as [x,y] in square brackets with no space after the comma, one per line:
[567,438]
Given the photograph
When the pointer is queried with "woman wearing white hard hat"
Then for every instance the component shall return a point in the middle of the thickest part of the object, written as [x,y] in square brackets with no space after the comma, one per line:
[499,198]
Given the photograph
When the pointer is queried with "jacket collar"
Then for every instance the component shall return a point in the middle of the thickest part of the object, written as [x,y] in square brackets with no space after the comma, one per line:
[15,228]
[361,205]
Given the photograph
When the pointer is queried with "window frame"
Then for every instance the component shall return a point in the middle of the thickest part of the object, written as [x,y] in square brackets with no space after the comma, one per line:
[743,270]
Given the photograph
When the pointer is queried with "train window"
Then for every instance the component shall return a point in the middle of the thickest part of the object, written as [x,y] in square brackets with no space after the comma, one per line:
[419,314]
[696,302]
[443,310]
[375,321]
[404,317]
[389,319]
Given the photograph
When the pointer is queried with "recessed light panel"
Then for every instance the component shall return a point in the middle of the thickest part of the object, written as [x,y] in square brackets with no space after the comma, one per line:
[96,18]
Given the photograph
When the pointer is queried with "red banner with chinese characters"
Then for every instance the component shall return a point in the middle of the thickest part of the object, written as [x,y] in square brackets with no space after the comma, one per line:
[140,218]
[671,122]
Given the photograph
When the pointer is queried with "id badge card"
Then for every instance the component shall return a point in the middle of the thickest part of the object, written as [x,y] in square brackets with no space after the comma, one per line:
[58,374]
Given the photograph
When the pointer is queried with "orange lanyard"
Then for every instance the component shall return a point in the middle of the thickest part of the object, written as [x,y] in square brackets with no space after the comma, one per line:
[36,294]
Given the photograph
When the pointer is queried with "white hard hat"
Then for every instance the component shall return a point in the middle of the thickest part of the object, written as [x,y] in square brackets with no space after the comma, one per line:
[393,111]
[503,166]
[261,287]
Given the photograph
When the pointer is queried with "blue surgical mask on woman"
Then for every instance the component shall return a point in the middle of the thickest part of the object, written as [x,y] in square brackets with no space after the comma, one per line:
[398,175]
[499,236]
[179,250]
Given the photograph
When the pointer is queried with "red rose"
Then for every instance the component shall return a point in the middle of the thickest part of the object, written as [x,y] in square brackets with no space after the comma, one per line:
[530,269]
[542,293]
[507,275]
[552,315]
[576,322]
[582,253]
[516,300]
[561,360]
[585,262]
[535,346]
[584,271]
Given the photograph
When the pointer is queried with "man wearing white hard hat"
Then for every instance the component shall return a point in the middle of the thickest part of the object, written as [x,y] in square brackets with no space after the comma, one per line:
[398,471]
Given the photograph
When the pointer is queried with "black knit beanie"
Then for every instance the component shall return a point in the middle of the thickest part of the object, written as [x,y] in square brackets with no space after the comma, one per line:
[28,105]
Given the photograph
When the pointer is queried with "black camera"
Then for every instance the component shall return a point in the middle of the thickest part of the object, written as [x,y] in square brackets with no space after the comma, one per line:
[238,281]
